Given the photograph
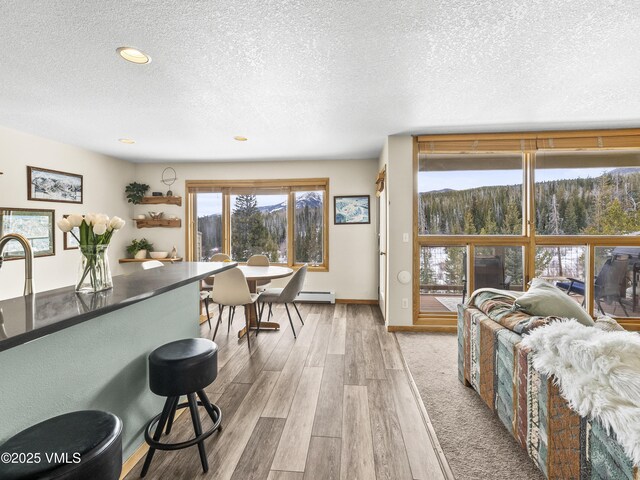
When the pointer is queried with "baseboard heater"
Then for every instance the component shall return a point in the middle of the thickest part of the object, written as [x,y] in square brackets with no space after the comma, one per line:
[316,297]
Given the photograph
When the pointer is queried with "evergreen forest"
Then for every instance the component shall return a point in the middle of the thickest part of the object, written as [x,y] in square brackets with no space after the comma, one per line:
[263,230]
[604,205]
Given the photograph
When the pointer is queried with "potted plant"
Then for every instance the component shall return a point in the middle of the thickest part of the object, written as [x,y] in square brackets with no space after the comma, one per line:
[135,192]
[139,248]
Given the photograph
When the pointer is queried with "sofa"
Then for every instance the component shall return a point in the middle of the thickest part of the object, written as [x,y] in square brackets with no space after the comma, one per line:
[492,361]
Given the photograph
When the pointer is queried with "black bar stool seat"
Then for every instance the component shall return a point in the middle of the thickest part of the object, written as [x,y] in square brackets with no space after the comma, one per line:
[73,446]
[184,367]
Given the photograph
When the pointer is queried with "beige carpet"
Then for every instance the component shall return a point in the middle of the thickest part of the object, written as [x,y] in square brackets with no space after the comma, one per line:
[474,441]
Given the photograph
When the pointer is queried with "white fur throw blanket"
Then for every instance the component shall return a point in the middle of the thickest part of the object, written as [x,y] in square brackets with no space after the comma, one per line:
[598,374]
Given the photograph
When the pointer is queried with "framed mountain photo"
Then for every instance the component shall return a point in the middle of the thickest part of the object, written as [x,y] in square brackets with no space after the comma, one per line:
[351,210]
[35,225]
[46,185]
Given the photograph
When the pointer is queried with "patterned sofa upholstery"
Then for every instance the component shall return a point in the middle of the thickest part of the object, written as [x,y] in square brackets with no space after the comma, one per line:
[491,360]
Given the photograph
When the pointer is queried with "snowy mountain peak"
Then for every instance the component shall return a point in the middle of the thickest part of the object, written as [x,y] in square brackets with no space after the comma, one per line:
[310,199]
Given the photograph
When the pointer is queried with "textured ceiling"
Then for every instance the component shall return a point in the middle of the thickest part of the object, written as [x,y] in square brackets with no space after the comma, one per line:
[311,79]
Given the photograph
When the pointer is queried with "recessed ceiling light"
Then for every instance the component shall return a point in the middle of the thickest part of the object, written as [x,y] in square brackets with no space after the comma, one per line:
[133,55]
[240,138]
[128,141]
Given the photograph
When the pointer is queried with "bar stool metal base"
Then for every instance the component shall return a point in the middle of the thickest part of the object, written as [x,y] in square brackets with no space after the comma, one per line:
[166,419]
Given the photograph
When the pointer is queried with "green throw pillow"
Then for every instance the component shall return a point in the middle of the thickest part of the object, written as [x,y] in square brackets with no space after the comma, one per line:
[546,300]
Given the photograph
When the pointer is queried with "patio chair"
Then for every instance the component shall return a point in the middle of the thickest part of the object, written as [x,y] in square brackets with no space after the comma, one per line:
[610,283]
[488,273]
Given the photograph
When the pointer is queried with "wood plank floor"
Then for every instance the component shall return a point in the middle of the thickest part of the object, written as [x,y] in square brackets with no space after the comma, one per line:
[336,403]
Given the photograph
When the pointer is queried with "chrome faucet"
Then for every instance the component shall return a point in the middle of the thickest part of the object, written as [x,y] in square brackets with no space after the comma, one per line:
[28,258]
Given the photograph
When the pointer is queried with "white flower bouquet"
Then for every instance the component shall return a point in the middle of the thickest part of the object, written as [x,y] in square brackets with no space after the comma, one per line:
[95,232]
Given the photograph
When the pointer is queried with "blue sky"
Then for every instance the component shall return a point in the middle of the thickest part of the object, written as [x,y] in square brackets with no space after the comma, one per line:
[209,203]
[463,180]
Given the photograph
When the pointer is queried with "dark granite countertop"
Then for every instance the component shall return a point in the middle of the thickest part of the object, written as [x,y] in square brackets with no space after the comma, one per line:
[23,319]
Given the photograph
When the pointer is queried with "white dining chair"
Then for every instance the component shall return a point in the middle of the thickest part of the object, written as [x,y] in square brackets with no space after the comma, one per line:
[152,264]
[206,284]
[286,295]
[259,261]
[232,290]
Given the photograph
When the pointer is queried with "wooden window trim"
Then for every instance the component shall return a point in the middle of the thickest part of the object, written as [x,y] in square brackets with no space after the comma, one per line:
[527,143]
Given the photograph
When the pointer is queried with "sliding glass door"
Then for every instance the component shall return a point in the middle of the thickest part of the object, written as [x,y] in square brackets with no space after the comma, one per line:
[470,226]
[527,207]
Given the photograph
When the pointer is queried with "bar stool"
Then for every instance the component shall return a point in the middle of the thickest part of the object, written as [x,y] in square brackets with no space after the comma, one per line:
[72,446]
[184,367]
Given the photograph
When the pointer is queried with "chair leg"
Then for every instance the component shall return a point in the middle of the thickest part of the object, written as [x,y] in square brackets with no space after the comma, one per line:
[156,436]
[220,310]
[207,406]
[247,323]
[231,309]
[206,307]
[255,310]
[600,306]
[290,321]
[197,427]
[172,414]
[298,312]
[624,309]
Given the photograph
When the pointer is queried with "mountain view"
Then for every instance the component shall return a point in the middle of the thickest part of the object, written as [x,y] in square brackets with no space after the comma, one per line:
[263,229]
[602,205]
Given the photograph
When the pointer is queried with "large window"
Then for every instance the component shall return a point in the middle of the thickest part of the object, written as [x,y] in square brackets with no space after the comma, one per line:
[286,220]
[259,226]
[496,210]
[209,225]
[587,193]
[470,194]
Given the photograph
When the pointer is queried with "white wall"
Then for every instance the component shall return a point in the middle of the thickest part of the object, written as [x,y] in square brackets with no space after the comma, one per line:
[352,248]
[398,153]
[104,182]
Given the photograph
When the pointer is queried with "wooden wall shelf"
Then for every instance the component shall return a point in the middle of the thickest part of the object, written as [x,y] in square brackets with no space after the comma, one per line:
[140,260]
[161,201]
[163,222]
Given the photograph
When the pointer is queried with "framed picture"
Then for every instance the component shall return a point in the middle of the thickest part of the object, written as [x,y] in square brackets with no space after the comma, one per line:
[351,209]
[36,225]
[69,241]
[53,186]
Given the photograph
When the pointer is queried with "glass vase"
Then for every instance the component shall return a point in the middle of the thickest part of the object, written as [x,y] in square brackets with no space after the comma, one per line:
[94,274]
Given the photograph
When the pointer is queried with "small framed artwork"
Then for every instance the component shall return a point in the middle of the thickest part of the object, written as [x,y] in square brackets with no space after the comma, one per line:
[351,210]
[36,225]
[53,186]
[69,241]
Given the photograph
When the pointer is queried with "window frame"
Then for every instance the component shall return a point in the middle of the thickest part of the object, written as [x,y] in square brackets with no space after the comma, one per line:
[528,144]
[287,186]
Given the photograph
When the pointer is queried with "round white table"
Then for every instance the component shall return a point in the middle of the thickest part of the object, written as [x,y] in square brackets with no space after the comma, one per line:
[253,274]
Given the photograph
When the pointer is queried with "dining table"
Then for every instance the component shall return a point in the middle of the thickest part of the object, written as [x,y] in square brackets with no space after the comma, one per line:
[254,274]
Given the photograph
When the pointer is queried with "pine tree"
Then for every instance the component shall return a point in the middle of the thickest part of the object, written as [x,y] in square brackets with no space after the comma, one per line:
[513,219]
[454,268]
[248,233]
[469,225]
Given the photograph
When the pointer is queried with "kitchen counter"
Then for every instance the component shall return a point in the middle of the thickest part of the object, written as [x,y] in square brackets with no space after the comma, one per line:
[24,319]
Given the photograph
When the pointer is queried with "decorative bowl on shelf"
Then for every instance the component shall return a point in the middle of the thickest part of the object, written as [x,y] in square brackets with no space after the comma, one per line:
[156,215]
[158,255]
